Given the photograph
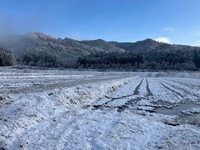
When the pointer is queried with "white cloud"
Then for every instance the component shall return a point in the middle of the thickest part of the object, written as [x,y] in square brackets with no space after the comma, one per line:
[197,43]
[163,40]
[169,29]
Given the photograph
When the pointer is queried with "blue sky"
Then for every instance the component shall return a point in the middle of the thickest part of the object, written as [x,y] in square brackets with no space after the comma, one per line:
[174,21]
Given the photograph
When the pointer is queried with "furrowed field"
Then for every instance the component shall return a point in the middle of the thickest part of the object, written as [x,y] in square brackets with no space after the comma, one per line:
[65,109]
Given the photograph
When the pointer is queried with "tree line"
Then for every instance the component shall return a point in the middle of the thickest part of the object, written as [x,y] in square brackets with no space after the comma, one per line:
[41,59]
[111,61]
[152,60]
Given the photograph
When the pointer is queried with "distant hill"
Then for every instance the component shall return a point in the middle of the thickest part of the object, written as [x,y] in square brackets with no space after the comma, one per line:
[149,54]
[44,50]
[64,51]
[107,47]
[151,45]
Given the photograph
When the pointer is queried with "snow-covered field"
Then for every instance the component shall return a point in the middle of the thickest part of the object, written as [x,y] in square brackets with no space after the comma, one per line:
[65,109]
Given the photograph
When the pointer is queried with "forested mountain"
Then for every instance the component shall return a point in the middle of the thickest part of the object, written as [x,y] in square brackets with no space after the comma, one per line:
[140,46]
[43,50]
[146,54]
[39,49]
[107,47]
[149,45]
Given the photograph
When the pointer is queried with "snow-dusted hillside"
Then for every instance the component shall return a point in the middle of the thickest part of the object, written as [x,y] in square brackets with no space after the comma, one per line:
[98,110]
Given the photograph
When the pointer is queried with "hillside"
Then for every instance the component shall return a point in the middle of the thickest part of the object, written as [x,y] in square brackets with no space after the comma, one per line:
[62,52]
[151,45]
[40,49]
[105,46]
[146,54]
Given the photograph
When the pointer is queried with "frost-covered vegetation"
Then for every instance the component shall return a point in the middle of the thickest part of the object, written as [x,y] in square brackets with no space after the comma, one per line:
[56,109]
[6,58]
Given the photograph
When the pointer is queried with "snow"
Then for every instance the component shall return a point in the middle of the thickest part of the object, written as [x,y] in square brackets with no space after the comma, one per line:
[87,129]
[162,93]
[120,102]
[191,111]
[67,116]
[127,89]
[184,90]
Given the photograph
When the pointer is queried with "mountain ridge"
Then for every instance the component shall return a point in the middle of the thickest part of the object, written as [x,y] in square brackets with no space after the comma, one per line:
[41,49]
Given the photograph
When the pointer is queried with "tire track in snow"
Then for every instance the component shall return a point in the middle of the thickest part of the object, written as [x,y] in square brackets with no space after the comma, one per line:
[142,89]
[132,101]
[149,93]
[124,93]
[161,93]
[129,103]
[182,87]
[136,91]
[122,103]
[168,87]
[125,103]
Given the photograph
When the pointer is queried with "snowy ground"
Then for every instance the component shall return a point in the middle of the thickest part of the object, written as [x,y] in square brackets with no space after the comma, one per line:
[55,109]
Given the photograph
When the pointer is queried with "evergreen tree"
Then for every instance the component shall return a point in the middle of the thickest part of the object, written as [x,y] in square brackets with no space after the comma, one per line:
[6,58]
[196,59]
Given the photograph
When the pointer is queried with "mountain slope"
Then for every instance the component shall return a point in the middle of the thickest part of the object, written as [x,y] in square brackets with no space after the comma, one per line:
[65,51]
[151,45]
[103,45]
[44,50]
